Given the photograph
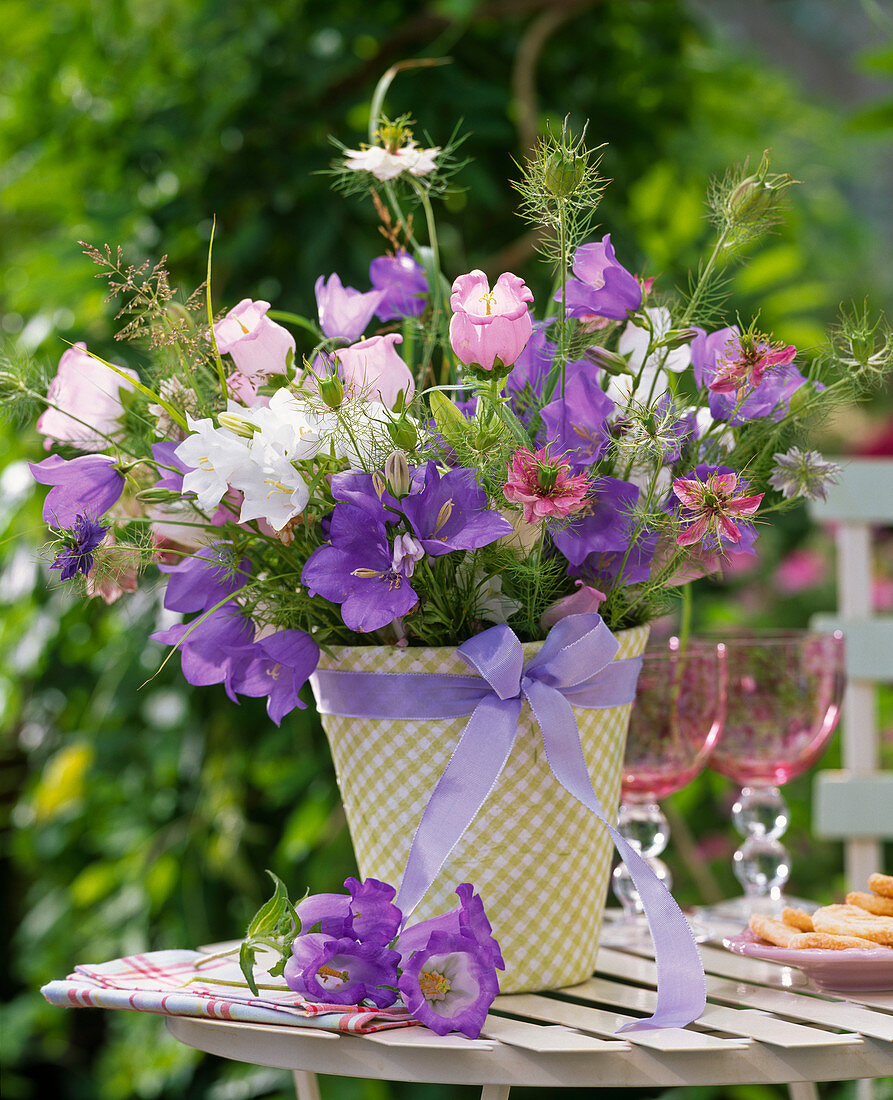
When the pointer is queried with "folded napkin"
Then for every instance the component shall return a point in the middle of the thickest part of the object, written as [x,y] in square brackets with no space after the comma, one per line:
[188,983]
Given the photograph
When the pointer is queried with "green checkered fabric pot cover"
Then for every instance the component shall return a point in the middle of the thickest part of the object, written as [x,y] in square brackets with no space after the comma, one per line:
[539,859]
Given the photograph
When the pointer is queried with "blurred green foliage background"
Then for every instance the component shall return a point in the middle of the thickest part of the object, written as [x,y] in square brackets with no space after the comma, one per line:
[142,817]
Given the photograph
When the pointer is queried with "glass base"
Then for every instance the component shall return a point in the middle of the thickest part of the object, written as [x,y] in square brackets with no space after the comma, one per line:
[633,933]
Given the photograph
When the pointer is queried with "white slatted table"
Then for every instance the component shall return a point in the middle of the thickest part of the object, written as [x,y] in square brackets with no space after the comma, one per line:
[763,1024]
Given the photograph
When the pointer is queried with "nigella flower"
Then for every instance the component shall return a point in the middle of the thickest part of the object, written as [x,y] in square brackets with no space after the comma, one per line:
[79,542]
[86,485]
[342,971]
[356,569]
[657,431]
[543,486]
[768,398]
[803,474]
[450,983]
[744,361]
[388,163]
[712,496]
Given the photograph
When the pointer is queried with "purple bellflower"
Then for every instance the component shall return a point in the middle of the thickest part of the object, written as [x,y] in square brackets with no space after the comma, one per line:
[357,570]
[450,983]
[201,580]
[577,424]
[367,913]
[469,919]
[277,667]
[344,313]
[342,971]
[84,486]
[79,542]
[171,468]
[451,513]
[403,285]
[603,524]
[600,286]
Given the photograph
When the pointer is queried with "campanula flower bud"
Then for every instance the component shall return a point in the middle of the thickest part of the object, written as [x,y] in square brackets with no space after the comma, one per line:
[396,472]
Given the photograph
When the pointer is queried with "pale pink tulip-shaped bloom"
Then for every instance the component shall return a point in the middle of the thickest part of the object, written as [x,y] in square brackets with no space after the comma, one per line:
[372,369]
[88,390]
[582,602]
[489,325]
[258,346]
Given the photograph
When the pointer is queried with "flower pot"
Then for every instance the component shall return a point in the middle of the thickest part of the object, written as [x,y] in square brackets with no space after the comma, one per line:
[539,859]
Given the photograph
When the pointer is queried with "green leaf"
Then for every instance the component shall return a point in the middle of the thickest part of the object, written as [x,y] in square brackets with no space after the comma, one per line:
[267,918]
[246,964]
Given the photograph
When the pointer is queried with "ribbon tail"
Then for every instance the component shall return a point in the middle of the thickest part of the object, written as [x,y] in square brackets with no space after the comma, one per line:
[462,789]
[682,989]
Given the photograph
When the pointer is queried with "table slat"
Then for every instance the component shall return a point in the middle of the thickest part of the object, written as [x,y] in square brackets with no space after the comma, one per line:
[553,1038]
[605,1023]
[424,1039]
[742,1022]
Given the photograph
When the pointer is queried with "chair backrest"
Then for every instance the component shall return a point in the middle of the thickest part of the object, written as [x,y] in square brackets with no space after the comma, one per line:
[856,804]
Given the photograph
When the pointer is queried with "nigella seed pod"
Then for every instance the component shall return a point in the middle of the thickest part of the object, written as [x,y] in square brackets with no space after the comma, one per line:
[563,173]
[403,433]
[331,390]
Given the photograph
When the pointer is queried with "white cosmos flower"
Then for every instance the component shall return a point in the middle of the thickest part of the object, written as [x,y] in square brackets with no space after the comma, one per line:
[634,345]
[387,166]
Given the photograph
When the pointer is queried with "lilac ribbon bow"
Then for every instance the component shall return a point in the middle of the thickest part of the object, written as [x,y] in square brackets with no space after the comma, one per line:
[575,667]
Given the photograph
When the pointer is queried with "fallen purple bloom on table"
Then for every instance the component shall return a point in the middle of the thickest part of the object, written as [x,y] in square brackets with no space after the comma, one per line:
[450,983]
[342,971]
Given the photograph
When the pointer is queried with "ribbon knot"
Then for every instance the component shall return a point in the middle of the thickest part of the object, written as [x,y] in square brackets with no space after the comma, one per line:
[574,667]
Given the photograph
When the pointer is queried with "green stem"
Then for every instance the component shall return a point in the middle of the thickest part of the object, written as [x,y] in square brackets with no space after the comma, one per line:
[562,323]
[703,280]
[221,370]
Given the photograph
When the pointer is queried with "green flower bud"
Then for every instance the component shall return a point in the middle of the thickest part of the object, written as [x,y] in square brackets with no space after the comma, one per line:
[331,390]
[158,496]
[403,433]
[237,424]
[563,173]
[396,472]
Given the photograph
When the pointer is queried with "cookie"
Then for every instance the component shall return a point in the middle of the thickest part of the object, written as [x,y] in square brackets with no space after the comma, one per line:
[881,884]
[872,903]
[773,931]
[822,941]
[798,919]
[850,920]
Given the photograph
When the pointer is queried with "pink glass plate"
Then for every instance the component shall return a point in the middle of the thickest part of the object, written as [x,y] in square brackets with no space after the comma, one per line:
[851,970]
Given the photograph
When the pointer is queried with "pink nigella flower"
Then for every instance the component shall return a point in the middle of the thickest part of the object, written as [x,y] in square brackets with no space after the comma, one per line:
[746,359]
[543,486]
[712,504]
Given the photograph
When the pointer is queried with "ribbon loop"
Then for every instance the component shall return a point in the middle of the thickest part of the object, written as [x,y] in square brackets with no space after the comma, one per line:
[574,667]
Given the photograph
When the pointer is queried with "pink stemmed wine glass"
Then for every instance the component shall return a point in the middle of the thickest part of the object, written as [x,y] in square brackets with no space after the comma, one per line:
[784,696]
[676,720]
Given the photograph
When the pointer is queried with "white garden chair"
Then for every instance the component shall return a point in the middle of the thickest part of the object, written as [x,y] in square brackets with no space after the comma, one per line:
[855,804]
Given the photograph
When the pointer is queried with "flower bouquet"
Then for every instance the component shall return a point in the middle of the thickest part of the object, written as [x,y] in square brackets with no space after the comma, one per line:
[455,512]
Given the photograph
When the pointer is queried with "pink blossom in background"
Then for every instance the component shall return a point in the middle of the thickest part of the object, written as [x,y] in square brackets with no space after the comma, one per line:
[489,325]
[882,593]
[800,570]
[372,368]
[543,487]
[258,346]
[581,602]
[86,389]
